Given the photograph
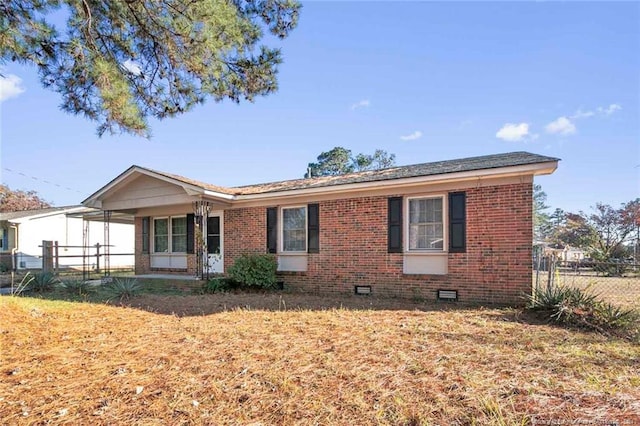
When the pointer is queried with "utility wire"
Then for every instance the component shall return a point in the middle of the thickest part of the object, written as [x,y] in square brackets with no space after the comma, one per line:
[41,180]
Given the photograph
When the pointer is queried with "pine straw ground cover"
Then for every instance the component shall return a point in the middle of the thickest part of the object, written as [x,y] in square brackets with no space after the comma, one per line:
[290,359]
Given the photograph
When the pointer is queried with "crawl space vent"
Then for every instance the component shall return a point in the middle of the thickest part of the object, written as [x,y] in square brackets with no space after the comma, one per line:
[448,295]
[362,289]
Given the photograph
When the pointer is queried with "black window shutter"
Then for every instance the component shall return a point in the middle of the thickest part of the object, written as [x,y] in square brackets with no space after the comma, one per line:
[146,224]
[272,230]
[394,228]
[313,228]
[457,222]
[190,233]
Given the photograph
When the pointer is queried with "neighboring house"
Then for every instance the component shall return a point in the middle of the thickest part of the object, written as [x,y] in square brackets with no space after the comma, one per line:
[564,254]
[463,225]
[23,232]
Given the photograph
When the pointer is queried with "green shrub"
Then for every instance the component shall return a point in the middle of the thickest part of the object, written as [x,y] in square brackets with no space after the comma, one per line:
[123,288]
[76,287]
[42,282]
[216,285]
[254,270]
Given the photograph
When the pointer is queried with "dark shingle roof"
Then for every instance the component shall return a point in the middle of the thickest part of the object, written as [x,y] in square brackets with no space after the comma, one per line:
[401,172]
[424,169]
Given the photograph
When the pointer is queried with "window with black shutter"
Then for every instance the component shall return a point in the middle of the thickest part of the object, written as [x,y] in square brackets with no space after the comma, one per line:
[145,234]
[313,228]
[190,233]
[272,230]
[394,228]
[457,222]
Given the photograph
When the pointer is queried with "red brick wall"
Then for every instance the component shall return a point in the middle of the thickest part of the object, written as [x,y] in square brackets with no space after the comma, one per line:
[143,261]
[496,267]
[245,231]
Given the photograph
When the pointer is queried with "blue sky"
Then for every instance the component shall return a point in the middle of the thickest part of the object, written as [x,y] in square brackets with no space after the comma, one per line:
[426,81]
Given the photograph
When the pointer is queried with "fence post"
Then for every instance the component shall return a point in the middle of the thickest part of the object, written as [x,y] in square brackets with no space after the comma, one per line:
[56,257]
[47,256]
[98,257]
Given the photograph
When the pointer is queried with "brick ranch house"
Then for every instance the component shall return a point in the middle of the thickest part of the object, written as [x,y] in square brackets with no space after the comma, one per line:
[413,231]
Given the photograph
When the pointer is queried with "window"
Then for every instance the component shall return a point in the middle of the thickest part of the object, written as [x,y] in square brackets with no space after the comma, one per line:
[170,235]
[161,235]
[179,234]
[426,224]
[294,229]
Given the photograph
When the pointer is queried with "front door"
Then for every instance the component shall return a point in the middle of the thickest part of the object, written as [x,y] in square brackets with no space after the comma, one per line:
[215,260]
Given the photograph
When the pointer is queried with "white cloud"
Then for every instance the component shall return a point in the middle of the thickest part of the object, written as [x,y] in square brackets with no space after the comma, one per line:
[362,104]
[10,86]
[413,136]
[606,111]
[582,114]
[562,126]
[610,109]
[511,132]
[132,67]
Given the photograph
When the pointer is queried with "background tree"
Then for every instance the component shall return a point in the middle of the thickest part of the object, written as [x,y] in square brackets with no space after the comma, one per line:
[380,159]
[13,201]
[332,163]
[613,227]
[632,215]
[541,219]
[340,161]
[572,229]
[120,62]
[604,233]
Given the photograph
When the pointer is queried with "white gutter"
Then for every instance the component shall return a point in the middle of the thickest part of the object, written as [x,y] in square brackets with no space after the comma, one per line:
[14,249]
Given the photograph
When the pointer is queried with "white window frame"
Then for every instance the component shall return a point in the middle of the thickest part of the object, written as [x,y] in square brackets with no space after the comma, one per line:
[169,235]
[445,224]
[281,229]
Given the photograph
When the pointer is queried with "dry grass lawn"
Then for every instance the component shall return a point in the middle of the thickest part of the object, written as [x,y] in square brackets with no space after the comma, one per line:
[291,359]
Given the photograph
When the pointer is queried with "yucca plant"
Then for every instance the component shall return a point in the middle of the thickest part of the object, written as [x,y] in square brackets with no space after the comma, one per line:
[76,287]
[124,288]
[42,282]
[616,316]
[574,306]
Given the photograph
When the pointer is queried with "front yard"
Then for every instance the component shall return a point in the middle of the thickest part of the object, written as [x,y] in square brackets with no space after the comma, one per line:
[293,359]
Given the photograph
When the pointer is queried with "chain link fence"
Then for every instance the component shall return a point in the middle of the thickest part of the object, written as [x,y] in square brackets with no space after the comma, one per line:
[614,282]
